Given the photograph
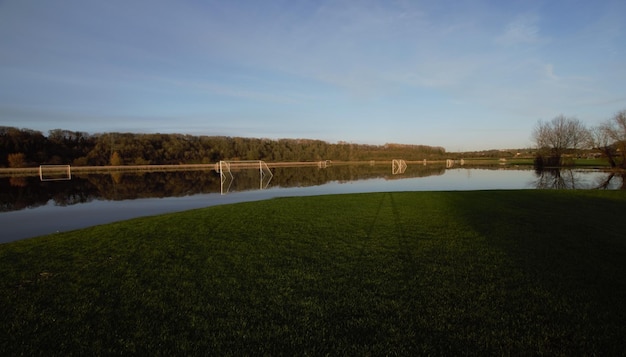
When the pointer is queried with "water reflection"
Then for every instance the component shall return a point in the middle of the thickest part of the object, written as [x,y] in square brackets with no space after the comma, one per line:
[29,207]
[576,179]
[613,180]
[17,193]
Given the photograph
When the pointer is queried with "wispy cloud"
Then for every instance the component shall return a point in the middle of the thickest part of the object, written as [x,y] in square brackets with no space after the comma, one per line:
[524,29]
[549,72]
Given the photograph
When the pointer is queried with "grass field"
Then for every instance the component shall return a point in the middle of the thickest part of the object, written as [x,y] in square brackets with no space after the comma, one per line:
[413,273]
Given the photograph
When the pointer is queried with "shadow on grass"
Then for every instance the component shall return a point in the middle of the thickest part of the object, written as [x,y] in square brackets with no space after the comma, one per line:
[567,250]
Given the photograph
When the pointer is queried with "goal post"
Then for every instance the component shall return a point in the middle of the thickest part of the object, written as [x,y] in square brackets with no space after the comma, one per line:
[398,166]
[55,172]
[226,174]
[265,175]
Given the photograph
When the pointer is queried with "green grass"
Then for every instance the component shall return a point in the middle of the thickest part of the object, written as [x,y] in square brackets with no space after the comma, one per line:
[591,163]
[440,273]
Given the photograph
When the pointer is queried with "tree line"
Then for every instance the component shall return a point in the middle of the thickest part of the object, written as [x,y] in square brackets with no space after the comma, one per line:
[27,148]
[562,138]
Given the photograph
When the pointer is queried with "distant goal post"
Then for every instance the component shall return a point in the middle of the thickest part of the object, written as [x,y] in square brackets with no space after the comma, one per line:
[225,170]
[398,166]
[55,172]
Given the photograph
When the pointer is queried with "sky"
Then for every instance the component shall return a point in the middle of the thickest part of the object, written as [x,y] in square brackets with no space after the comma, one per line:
[465,75]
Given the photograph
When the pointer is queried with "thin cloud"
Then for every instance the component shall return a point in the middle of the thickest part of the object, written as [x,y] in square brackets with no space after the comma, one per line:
[549,72]
[524,29]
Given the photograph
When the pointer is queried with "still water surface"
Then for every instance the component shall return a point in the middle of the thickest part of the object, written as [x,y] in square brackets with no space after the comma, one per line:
[32,208]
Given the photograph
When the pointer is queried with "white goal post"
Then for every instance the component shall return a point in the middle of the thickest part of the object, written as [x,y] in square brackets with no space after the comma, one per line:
[398,166]
[224,167]
[55,172]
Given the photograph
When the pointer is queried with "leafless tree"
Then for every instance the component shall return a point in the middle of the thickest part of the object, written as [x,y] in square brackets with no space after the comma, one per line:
[558,137]
[601,141]
[609,139]
[616,131]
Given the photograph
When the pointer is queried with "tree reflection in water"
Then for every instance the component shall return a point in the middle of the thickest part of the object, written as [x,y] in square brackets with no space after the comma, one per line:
[616,179]
[30,192]
[17,193]
[577,179]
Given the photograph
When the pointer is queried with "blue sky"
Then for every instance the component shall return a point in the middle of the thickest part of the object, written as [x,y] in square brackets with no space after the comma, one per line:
[465,75]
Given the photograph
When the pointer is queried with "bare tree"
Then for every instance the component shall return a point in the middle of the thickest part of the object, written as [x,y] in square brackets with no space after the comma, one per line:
[557,137]
[616,130]
[601,141]
[609,139]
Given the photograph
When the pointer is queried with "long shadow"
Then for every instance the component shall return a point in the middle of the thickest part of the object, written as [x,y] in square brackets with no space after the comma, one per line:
[568,250]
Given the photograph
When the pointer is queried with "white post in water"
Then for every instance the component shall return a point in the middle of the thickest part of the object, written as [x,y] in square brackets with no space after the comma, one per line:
[265,174]
[398,166]
[224,165]
[55,172]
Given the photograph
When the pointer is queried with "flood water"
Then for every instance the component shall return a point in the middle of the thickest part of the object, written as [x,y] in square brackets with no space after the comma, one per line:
[30,207]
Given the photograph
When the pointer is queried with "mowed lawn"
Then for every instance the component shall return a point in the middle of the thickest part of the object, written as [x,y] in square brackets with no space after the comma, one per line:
[409,273]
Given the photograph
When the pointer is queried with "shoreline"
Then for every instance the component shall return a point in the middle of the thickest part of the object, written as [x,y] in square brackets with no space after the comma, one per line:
[32,171]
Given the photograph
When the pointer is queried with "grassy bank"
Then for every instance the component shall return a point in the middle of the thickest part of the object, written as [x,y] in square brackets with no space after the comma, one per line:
[493,272]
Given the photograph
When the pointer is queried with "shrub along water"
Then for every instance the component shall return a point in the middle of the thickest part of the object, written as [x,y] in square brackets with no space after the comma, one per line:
[496,272]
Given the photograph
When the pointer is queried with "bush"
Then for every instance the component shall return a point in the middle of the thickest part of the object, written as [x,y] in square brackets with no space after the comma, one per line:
[17,160]
[542,161]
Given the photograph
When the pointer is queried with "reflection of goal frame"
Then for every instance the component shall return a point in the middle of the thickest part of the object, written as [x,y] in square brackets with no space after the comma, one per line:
[224,167]
[398,166]
[55,172]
